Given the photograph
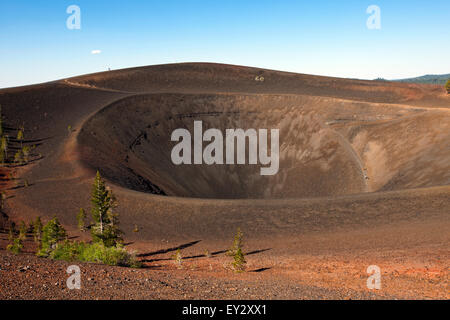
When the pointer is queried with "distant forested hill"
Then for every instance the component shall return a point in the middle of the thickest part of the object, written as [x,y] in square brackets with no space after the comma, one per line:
[429,78]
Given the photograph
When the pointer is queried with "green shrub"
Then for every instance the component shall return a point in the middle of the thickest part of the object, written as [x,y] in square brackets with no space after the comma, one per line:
[96,253]
[447,86]
[113,256]
[67,251]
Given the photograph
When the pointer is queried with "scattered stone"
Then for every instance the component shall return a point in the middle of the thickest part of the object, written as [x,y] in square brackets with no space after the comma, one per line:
[23,269]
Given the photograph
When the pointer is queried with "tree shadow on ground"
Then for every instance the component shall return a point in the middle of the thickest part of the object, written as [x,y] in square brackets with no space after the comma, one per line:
[260,270]
[152,267]
[257,251]
[162,251]
[20,187]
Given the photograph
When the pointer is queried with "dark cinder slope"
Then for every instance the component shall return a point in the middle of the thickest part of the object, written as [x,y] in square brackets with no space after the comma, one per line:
[212,77]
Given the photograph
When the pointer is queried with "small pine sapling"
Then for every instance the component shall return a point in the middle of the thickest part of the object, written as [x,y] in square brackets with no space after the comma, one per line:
[4,149]
[26,153]
[37,230]
[238,242]
[2,200]
[4,144]
[178,258]
[81,220]
[52,233]
[22,230]
[20,136]
[18,157]
[16,246]
[239,262]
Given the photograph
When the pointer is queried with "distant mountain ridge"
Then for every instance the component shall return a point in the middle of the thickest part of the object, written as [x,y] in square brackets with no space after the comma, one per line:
[429,79]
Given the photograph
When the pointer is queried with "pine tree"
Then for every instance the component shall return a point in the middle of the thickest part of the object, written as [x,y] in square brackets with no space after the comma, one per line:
[4,149]
[81,220]
[52,233]
[20,135]
[18,157]
[16,246]
[113,235]
[30,227]
[22,230]
[236,252]
[239,261]
[237,243]
[2,200]
[99,200]
[26,153]
[447,86]
[106,221]
[178,258]
[37,230]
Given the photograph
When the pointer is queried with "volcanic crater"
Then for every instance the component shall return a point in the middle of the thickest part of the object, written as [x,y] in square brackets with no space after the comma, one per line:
[324,147]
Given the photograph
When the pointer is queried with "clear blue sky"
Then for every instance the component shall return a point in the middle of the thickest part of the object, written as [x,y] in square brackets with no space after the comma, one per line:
[316,37]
